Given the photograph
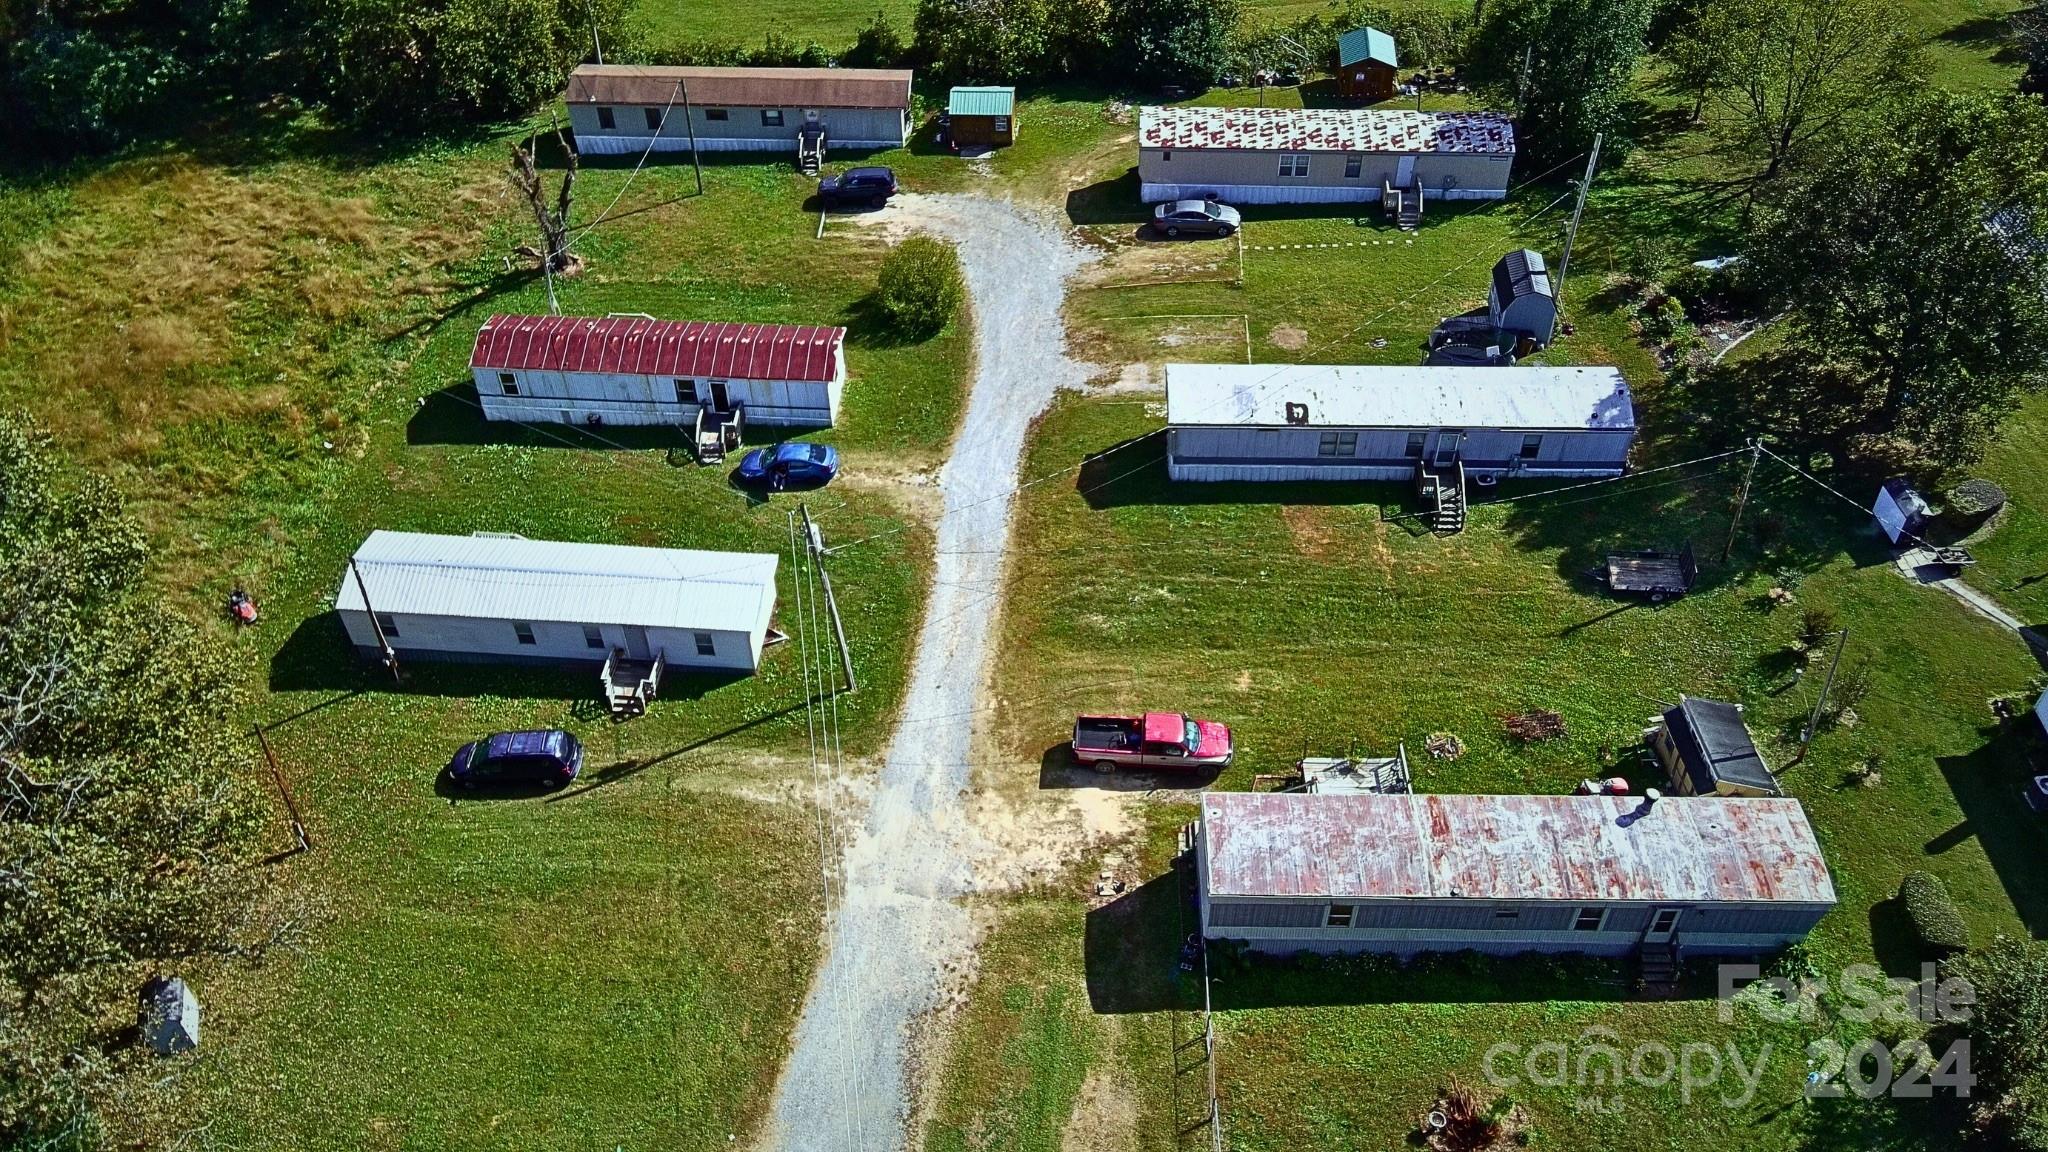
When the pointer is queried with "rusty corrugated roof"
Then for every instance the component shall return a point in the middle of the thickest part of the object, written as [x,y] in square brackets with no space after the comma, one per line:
[1325,130]
[638,345]
[741,87]
[1563,848]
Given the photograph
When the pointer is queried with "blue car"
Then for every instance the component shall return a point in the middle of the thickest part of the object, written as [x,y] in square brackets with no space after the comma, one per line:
[796,462]
[549,758]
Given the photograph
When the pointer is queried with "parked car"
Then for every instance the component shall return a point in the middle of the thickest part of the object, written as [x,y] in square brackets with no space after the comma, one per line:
[797,462]
[1168,740]
[1195,218]
[548,758]
[870,186]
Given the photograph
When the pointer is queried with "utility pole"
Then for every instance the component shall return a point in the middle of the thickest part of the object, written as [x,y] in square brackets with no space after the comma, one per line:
[390,655]
[1813,721]
[816,540]
[590,7]
[1571,234]
[277,775]
[1741,499]
[690,122]
[1522,81]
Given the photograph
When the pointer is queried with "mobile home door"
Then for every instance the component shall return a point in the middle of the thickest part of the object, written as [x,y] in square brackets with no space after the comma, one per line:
[1447,442]
[1663,925]
[1404,172]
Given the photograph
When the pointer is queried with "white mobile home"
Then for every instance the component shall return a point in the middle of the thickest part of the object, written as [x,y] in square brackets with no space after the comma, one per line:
[495,598]
[1602,875]
[1321,155]
[628,109]
[1333,422]
[637,370]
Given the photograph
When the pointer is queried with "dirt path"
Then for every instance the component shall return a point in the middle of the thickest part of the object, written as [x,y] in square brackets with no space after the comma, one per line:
[899,934]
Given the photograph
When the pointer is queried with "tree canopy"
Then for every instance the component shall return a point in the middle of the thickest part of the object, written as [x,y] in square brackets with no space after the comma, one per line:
[1913,251]
[125,821]
[1564,66]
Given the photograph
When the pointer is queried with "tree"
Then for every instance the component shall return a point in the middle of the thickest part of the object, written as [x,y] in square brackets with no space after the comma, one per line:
[2030,32]
[878,45]
[984,41]
[1564,66]
[1792,72]
[2007,1031]
[1914,251]
[1157,42]
[125,825]
[919,288]
[554,222]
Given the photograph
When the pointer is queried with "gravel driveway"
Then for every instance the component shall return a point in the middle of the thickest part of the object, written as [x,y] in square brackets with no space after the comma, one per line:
[899,929]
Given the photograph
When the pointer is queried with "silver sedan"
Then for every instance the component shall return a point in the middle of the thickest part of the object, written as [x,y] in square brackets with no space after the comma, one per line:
[1195,218]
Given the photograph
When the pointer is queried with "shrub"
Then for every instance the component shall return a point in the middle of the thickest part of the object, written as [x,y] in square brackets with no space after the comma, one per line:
[1816,625]
[920,285]
[2005,1030]
[1933,914]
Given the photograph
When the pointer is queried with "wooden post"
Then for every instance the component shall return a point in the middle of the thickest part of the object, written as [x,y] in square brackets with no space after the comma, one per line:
[390,655]
[816,540]
[277,774]
[1571,234]
[690,123]
[1741,500]
[1813,721]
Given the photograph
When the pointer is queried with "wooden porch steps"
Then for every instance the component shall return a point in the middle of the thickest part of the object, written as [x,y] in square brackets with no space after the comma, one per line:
[1442,492]
[716,434]
[810,150]
[1657,966]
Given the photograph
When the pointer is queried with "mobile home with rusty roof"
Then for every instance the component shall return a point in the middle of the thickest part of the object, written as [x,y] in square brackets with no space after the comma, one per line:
[1602,875]
[1321,155]
[626,109]
[1287,422]
[638,370]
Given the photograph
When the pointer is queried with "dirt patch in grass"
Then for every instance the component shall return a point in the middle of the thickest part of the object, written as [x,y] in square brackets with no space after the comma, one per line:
[1105,1117]
[1289,337]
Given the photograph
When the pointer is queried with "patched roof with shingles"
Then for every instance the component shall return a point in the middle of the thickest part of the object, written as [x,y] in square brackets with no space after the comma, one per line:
[1559,848]
[1326,130]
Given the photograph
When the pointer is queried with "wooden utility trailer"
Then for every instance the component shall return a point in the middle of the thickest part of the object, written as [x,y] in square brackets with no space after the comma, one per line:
[1651,573]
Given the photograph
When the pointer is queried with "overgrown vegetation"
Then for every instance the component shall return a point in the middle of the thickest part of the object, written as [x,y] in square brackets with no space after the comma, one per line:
[1936,920]
[1565,67]
[919,288]
[2008,1035]
[125,819]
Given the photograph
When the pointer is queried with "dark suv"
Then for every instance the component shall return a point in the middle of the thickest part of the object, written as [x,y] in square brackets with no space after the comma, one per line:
[549,758]
[870,186]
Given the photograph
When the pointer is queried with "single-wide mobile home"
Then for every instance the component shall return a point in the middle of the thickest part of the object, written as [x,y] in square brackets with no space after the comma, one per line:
[638,370]
[1321,155]
[504,599]
[1338,422]
[629,108]
[1602,875]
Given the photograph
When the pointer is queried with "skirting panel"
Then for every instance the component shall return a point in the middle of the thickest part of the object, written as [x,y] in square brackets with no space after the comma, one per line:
[609,145]
[1300,193]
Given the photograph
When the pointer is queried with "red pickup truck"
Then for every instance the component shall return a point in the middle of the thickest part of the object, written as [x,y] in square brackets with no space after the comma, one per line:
[1167,740]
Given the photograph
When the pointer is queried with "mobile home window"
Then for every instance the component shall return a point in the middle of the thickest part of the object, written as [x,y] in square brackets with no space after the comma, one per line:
[1294,165]
[714,114]
[653,119]
[593,636]
[524,632]
[1353,165]
[1339,444]
[1590,920]
[507,384]
[605,119]
[771,117]
[388,624]
[1166,155]
[705,647]
[1416,442]
[1532,446]
[686,391]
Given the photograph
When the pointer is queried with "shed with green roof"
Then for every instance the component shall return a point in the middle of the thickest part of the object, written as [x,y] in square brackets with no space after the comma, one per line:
[982,117]
[1366,64]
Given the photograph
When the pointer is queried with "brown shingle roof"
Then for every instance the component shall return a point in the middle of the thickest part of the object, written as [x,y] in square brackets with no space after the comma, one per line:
[742,87]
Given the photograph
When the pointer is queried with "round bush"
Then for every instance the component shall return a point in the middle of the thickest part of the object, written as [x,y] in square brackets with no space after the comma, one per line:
[1933,914]
[920,286]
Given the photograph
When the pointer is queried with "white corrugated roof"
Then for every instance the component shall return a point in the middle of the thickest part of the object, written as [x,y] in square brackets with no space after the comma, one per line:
[1326,130]
[1396,396]
[499,578]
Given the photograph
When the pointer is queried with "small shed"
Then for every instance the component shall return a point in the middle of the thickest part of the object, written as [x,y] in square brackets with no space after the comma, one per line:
[168,1016]
[505,599]
[1900,510]
[1706,750]
[1520,300]
[1366,65]
[1602,875]
[984,117]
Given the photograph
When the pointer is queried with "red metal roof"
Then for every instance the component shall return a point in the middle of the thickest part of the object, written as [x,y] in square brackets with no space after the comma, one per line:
[1562,848]
[640,346]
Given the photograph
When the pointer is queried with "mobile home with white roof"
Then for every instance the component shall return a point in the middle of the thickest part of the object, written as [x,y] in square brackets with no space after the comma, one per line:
[1288,422]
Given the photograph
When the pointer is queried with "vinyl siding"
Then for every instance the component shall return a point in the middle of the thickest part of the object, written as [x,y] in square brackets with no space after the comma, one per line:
[1242,453]
[740,131]
[555,642]
[1254,176]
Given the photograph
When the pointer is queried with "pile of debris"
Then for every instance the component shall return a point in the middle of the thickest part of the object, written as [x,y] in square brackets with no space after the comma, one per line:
[1444,745]
[1535,725]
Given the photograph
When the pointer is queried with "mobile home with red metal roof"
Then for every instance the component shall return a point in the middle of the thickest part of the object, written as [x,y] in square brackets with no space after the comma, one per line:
[639,370]
[1601,875]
